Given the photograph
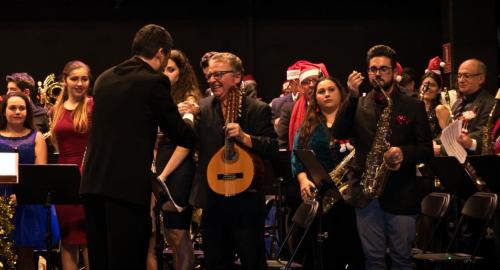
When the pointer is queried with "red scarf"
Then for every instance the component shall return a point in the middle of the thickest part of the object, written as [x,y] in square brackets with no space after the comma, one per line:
[298,114]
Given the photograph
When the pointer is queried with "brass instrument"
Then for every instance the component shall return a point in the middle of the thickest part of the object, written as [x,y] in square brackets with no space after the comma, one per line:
[337,175]
[487,146]
[49,90]
[377,170]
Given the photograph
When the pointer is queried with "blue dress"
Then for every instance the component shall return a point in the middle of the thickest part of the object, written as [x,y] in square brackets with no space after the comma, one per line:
[29,220]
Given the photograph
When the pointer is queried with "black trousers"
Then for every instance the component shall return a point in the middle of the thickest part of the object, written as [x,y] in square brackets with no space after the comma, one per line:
[117,233]
[235,225]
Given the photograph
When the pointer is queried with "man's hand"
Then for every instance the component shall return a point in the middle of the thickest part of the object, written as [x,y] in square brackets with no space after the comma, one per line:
[464,140]
[354,80]
[394,157]
[188,107]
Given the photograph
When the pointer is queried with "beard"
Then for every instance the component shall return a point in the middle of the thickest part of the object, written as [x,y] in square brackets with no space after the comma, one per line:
[386,85]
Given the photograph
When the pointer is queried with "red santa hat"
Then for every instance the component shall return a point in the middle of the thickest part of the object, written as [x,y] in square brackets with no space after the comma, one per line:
[310,69]
[248,77]
[399,72]
[293,71]
[435,65]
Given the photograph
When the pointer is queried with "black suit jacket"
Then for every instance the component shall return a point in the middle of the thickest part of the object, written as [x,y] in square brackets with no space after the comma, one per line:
[481,104]
[131,100]
[255,120]
[410,131]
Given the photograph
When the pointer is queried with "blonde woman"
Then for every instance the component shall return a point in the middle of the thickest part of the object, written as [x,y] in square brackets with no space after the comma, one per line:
[70,128]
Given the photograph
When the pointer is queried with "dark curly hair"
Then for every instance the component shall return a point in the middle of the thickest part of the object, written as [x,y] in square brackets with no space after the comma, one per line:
[187,84]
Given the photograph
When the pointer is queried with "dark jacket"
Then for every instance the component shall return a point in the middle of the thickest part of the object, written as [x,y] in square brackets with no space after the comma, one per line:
[255,120]
[131,101]
[410,131]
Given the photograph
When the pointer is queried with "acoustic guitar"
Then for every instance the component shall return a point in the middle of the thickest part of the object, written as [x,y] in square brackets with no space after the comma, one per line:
[231,169]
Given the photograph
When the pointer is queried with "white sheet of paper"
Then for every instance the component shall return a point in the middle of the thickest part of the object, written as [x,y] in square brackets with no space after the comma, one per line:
[449,137]
[9,167]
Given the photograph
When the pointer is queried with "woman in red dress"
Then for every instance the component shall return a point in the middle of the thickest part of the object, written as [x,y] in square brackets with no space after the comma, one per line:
[70,126]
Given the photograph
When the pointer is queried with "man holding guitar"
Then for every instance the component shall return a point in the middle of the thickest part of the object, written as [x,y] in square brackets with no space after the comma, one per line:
[234,133]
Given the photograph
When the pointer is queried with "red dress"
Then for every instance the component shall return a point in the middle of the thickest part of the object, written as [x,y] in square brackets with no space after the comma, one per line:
[71,150]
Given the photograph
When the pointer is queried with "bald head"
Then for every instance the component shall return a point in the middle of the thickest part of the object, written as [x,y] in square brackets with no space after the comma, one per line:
[471,76]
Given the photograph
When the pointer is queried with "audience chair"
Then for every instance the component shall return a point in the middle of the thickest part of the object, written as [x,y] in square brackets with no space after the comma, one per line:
[481,206]
[433,208]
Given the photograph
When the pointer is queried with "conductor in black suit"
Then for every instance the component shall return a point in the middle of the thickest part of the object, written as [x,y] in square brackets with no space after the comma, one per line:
[131,100]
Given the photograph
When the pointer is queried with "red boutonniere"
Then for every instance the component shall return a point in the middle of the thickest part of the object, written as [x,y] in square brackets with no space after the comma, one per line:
[402,119]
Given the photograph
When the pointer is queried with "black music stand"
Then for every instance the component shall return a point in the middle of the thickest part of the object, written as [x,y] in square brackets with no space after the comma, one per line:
[455,180]
[48,184]
[321,180]
[453,176]
[487,168]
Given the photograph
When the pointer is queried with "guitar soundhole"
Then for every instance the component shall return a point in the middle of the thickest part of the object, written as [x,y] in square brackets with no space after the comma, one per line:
[230,156]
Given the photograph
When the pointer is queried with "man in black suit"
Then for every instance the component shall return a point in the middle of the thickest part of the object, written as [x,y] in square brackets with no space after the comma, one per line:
[474,105]
[387,221]
[131,100]
[232,224]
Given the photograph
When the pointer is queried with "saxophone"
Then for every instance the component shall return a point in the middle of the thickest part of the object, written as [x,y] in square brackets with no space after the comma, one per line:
[487,141]
[337,175]
[377,170]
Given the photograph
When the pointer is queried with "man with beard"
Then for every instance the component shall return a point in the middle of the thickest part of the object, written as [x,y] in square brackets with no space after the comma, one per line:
[390,220]
[233,224]
[131,100]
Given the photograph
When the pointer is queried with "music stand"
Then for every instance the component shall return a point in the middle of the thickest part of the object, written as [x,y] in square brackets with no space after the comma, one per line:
[486,167]
[453,176]
[320,178]
[48,184]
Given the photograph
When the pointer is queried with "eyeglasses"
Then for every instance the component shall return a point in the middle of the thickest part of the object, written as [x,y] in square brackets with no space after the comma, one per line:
[382,69]
[309,81]
[217,74]
[467,76]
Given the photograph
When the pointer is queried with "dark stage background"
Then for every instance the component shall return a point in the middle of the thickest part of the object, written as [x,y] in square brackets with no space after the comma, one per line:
[39,37]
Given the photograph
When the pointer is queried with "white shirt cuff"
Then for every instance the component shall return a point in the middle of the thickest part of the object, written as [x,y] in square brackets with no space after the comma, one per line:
[188,116]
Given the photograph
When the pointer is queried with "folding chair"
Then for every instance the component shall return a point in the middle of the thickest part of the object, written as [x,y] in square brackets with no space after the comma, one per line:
[480,206]
[433,207]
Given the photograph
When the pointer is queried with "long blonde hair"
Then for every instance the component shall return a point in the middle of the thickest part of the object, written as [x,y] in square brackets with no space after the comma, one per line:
[80,114]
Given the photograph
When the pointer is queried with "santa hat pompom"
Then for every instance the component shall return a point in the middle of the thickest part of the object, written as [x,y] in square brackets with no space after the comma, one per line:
[399,72]
[435,65]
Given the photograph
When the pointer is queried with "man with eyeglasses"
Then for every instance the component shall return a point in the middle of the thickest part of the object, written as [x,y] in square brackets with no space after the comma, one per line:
[390,220]
[235,224]
[474,105]
[289,121]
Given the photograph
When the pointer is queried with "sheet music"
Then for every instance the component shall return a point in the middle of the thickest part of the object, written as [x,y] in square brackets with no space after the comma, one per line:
[449,141]
[167,191]
[9,168]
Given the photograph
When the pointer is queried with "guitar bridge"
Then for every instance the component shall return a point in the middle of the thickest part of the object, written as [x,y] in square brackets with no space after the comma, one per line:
[229,176]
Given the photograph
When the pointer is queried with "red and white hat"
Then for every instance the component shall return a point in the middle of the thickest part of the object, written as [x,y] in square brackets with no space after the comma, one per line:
[399,72]
[293,71]
[310,69]
[435,65]
[248,78]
